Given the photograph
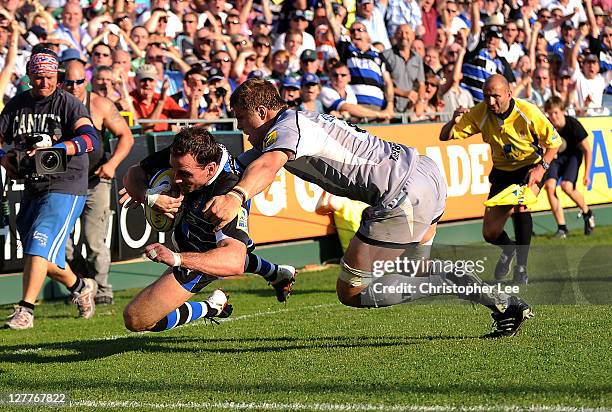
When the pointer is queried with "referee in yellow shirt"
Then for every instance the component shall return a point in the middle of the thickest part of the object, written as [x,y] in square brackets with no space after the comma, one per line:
[523,143]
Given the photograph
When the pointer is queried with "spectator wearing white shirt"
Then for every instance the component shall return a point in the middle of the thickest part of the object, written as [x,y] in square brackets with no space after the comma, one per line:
[373,18]
[70,28]
[298,22]
[509,47]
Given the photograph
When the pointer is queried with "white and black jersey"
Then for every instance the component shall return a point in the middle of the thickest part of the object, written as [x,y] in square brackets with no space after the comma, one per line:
[338,156]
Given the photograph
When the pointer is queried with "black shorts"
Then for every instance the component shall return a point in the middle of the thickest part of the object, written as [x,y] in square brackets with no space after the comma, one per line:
[192,280]
[565,167]
[501,179]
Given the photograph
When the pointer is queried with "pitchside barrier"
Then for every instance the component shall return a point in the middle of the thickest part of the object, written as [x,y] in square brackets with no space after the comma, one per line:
[285,211]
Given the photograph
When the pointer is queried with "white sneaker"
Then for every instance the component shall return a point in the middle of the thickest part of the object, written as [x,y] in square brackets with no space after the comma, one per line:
[219,304]
[85,299]
[283,285]
[20,319]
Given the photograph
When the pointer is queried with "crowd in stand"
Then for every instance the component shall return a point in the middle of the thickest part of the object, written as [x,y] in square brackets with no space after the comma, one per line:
[363,60]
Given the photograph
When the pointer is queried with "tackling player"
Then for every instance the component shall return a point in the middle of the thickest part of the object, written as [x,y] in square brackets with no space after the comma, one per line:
[405,191]
[202,169]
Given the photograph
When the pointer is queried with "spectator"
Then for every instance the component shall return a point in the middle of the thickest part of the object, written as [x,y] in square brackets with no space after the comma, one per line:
[430,17]
[590,84]
[565,89]
[370,80]
[101,55]
[431,102]
[202,46]
[339,100]
[122,66]
[195,80]
[310,88]
[541,87]
[373,18]
[218,95]
[150,105]
[403,12]
[309,62]
[418,47]
[245,64]
[185,40]
[222,61]
[263,48]
[298,23]
[432,61]
[483,63]
[293,45]
[159,55]
[453,95]
[280,66]
[406,69]
[564,45]
[70,28]
[290,91]
[510,48]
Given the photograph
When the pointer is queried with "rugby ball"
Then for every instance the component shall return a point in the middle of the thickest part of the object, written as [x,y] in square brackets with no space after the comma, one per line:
[162,183]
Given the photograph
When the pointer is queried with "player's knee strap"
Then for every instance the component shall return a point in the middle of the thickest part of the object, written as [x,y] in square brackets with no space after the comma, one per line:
[354,277]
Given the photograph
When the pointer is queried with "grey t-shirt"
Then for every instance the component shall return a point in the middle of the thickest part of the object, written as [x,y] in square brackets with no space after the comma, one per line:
[339,157]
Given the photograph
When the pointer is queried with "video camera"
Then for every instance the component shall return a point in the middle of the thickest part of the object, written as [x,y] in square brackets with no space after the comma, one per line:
[46,161]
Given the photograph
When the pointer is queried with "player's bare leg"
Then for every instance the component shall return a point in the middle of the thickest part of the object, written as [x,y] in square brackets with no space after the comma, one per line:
[163,305]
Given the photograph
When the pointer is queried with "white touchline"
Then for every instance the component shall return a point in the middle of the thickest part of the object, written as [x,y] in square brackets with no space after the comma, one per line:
[349,407]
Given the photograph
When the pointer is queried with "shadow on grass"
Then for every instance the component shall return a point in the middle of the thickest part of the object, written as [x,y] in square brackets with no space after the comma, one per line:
[157,343]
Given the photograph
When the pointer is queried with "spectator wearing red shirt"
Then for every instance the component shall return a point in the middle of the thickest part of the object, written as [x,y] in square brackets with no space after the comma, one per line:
[151,105]
[430,16]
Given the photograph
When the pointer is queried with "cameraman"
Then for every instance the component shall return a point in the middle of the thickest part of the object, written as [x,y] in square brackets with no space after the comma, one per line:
[43,117]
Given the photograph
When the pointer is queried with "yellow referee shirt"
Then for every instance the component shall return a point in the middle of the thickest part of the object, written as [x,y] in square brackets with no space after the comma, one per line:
[516,141]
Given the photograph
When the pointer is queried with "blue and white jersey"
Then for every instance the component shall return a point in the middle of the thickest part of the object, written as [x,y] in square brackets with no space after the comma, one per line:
[366,70]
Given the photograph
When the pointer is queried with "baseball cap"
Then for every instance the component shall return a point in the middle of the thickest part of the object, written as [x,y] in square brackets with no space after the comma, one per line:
[591,58]
[309,78]
[567,24]
[309,55]
[496,19]
[215,74]
[71,54]
[493,32]
[146,71]
[364,1]
[256,74]
[564,73]
[291,82]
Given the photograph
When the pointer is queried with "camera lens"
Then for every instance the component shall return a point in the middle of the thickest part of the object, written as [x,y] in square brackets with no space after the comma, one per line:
[49,160]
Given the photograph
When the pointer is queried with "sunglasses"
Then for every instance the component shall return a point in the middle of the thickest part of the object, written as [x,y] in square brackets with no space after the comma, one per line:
[542,59]
[74,82]
[118,20]
[431,84]
[163,19]
[545,16]
[358,29]
[259,44]
[146,80]
[451,10]
[251,58]
[338,75]
[234,21]
[188,21]
[240,43]
[100,54]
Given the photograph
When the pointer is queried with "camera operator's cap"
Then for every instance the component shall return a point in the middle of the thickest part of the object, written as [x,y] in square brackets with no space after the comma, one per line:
[300,14]
[567,24]
[72,54]
[309,79]
[146,71]
[290,82]
[38,31]
[256,74]
[215,74]
[309,55]
[493,32]
[598,11]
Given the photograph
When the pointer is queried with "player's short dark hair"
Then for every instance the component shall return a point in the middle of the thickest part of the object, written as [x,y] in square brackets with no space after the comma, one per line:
[254,93]
[198,142]
[554,102]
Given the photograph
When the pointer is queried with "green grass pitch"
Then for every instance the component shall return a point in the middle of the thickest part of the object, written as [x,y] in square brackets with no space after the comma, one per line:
[315,354]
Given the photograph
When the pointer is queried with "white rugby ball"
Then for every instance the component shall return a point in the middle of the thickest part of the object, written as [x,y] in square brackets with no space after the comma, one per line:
[162,183]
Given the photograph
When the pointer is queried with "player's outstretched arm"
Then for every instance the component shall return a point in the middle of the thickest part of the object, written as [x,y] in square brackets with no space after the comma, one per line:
[227,259]
[221,210]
